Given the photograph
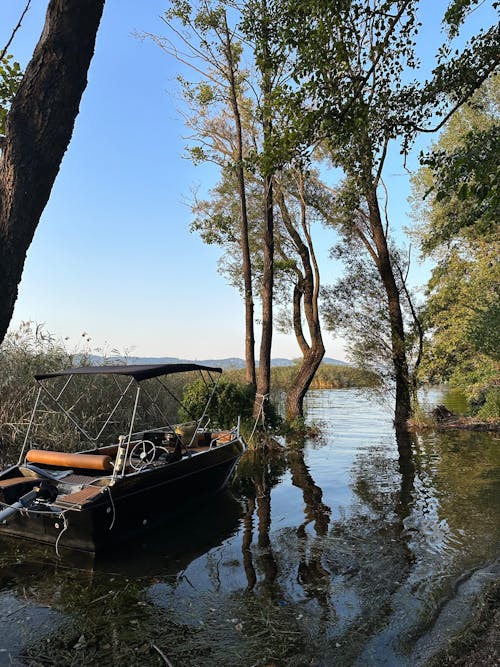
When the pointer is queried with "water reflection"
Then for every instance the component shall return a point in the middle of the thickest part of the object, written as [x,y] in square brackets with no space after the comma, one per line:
[343,552]
[311,573]
[257,474]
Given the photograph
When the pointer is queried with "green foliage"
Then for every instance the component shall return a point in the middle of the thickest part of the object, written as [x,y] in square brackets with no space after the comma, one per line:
[459,181]
[462,317]
[356,308]
[457,12]
[231,400]
[461,175]
[338,48]
[10,78]
[491,405]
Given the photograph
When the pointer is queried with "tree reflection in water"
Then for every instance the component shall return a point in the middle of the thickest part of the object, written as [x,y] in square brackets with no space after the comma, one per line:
[312,575]
[342,554]
[257,474]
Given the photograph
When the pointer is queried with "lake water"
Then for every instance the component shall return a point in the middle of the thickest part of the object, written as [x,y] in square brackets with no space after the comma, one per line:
[353,549]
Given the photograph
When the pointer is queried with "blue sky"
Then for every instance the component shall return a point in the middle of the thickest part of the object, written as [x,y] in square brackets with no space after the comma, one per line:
[113,255]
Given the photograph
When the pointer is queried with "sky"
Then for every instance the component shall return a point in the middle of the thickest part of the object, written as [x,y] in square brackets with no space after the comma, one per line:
[113,256]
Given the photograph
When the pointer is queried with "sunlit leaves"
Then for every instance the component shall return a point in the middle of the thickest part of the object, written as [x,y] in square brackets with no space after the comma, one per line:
[457,12]
[10,78]
[462,174]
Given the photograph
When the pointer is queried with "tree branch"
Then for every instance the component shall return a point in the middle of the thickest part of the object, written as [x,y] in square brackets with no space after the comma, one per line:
[4,50]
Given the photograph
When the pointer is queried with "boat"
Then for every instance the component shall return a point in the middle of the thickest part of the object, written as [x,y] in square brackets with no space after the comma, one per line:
[139,466]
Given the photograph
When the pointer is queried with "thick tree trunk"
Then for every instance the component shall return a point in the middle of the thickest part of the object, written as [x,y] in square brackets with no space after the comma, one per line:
[38,130]
[310,363]
[402,411]
[246,263]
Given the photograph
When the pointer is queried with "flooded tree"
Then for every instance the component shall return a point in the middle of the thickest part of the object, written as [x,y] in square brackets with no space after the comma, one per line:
[300,197]
[352,63]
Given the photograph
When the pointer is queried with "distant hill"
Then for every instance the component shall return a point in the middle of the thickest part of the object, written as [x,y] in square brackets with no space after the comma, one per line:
[230,362]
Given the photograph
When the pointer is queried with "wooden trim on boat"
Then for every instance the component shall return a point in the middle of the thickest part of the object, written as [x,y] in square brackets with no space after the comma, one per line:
[81,497]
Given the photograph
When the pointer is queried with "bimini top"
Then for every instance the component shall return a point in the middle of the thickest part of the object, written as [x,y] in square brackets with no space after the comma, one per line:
[138,372]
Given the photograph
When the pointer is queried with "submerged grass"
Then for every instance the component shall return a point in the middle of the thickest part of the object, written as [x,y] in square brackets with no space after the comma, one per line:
[479,642]
[125,628]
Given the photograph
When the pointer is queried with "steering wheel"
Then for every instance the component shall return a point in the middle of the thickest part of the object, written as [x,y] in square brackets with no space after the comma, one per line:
[144,450]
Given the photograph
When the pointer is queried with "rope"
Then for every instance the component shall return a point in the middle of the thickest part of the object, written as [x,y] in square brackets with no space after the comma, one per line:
[264,397]
[65,528]
[108,489]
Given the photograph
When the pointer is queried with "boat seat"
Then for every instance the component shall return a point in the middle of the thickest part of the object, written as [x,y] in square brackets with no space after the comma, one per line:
[12,481]
[82,497]
[12,488]
[65,460]
[222,436]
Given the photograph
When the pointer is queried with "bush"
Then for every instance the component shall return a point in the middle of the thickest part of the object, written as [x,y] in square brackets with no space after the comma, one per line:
[231,400]
[491,405]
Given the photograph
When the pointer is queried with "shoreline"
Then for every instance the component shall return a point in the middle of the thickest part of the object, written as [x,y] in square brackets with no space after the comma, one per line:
[442,419]
[469,423]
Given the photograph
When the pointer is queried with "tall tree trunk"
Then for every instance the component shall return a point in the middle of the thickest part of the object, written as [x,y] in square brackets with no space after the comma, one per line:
[38,130]
[402,411]
[307,289]
[264,375]
[246,263]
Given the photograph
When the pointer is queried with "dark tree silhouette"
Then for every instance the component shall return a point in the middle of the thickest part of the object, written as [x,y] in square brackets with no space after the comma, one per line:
[38,130]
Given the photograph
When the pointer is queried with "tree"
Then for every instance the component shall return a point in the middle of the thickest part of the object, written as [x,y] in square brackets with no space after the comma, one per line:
[214,54]
[237,134]
[457,202]
[356,308]
[351,61]
[299,197]
[357,112]
[258,26]
[38,130]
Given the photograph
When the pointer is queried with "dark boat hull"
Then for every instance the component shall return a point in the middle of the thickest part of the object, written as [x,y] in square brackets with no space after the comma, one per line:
[136,503]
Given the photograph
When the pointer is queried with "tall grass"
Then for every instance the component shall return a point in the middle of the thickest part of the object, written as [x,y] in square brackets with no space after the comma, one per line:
[328,376]
[89,399]
[24,353]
